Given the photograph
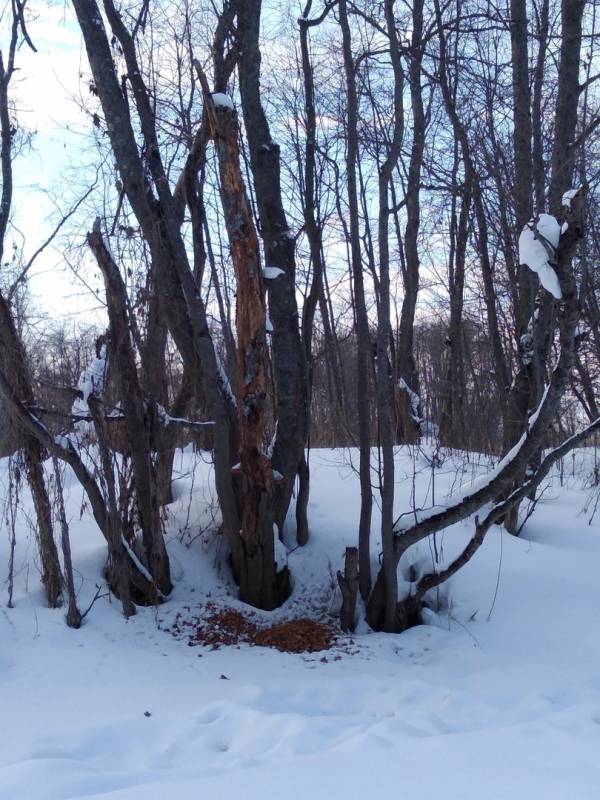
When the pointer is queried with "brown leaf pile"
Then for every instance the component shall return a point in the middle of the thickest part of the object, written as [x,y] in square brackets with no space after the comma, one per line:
[227,626]
[296,636]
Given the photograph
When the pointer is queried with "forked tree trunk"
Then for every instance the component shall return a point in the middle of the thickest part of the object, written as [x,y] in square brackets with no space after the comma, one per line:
[140,417]
[159,215]
[501,482]
[118,569]
[528,384]
[260,584]
[289,362]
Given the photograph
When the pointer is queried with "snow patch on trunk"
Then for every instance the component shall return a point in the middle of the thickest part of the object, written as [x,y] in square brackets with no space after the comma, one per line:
[537,247]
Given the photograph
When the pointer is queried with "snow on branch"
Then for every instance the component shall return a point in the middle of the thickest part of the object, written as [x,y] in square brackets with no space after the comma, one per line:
[499,510]
[537,249]
[224,381]
[91,382]
[168,421]
[221,100]
[433,519]
[415,401]
[139,566]
[270,273]
[568,197]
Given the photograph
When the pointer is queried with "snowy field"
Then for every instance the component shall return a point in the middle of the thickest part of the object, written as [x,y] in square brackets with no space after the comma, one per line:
[497,697]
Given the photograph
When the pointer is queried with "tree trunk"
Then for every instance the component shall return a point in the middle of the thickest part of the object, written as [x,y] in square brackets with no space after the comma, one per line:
[362,321]
[256,568]
[140,417]
[409,411]
[348,583]
[289,362]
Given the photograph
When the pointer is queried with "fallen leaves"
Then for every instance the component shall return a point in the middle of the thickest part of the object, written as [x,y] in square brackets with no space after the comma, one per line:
[216,627]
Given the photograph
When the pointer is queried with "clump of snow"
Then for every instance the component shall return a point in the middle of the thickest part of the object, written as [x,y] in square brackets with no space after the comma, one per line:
[568,196]
[222,100]
[268,323]
[281,553]
[537,246]
[91,382]
[62,442]
[270,273]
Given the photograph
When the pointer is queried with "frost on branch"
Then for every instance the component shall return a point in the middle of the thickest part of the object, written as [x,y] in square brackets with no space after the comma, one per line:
[537,246]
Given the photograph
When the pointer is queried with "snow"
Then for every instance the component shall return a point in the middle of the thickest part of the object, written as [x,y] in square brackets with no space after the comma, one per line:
[415,400]
[419,514]
[141,567]
[224,380]
[270,273]
[568,197]
[537,244]
[91,381]
[496,697]
[62,442]
[221,100]
[166,419]
[281,553]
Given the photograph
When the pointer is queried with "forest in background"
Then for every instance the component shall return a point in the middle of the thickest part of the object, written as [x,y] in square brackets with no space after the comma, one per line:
[347,224]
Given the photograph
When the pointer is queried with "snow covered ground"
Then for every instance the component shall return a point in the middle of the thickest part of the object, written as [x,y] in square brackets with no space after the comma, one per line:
[489,700]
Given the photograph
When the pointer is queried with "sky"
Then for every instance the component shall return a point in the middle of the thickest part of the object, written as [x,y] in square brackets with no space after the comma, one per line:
[49,176]
[51,90]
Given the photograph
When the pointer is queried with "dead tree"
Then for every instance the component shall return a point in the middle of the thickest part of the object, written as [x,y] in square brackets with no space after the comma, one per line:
[260,584]
[289,362]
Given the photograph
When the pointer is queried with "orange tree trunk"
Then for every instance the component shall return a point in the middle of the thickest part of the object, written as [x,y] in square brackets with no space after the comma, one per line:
[260,584]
